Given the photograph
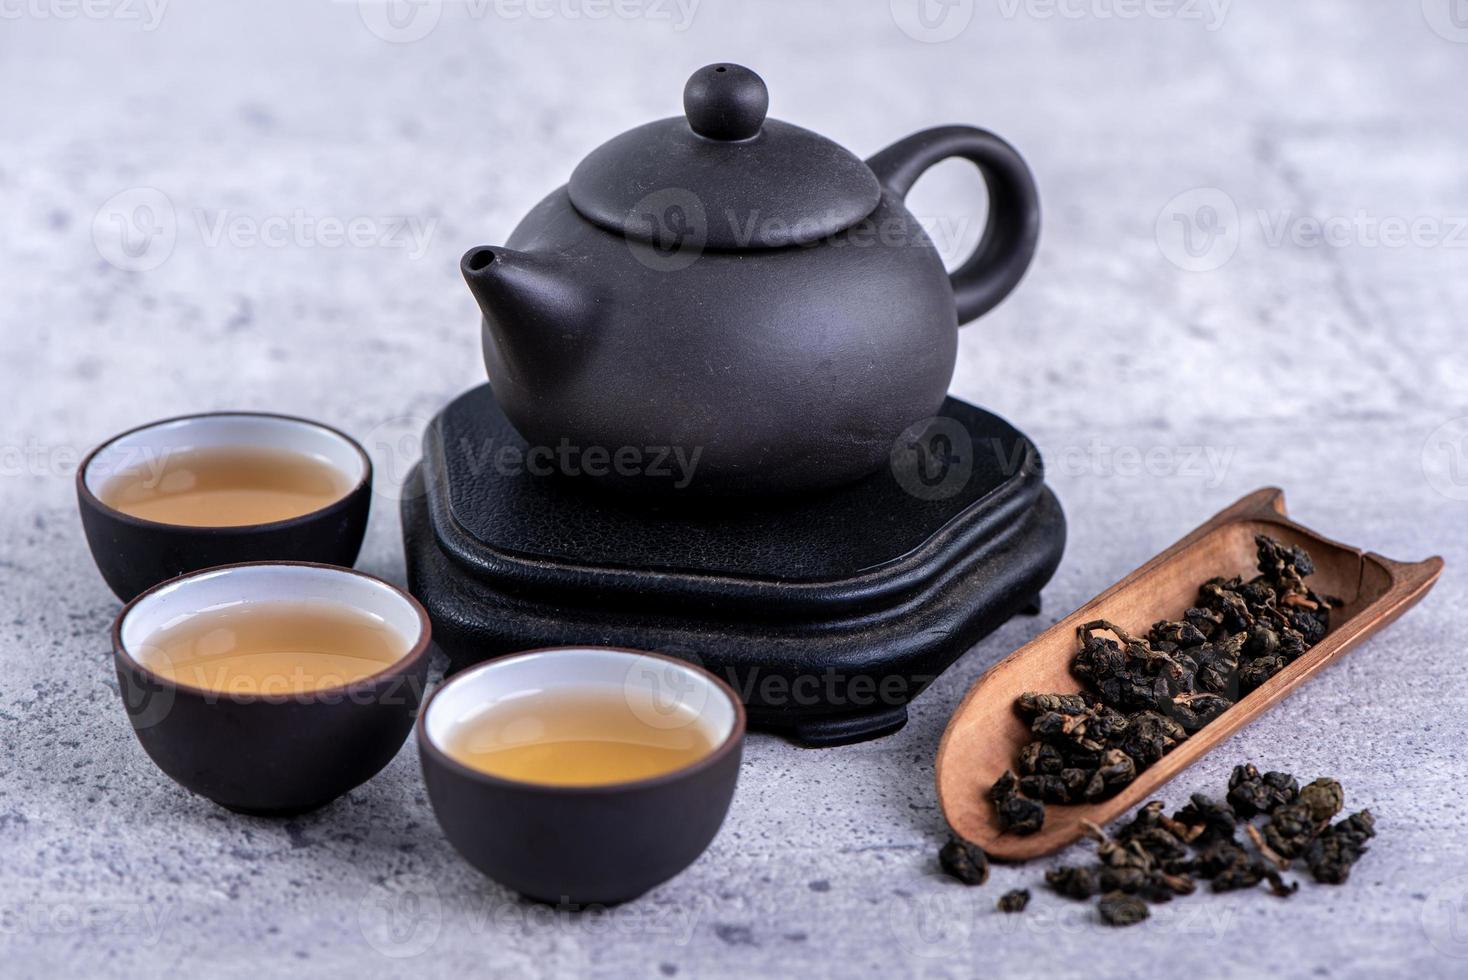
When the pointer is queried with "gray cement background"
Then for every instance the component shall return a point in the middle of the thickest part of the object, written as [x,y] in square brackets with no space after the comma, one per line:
[1159,394]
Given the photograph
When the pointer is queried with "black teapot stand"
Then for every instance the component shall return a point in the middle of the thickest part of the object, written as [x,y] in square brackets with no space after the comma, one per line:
[827,614]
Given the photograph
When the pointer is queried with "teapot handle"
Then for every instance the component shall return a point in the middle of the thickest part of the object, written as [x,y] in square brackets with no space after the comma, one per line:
[1013,230]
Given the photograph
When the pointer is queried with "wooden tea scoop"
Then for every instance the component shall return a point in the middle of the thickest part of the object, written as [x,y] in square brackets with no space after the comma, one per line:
[986,732]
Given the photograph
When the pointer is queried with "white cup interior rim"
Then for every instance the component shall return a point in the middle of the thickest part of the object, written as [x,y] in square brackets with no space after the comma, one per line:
[151,444]
[236,586]
[660,690]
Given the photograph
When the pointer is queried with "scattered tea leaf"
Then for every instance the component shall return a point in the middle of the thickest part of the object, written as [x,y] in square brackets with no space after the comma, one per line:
[962,860]
[1014,901]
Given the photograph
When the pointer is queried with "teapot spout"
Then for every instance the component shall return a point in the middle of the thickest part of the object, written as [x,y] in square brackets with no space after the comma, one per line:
[534,308]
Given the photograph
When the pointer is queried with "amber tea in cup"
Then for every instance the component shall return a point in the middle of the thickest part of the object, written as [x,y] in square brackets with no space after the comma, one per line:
[273,648]
[225,486]
[586,737]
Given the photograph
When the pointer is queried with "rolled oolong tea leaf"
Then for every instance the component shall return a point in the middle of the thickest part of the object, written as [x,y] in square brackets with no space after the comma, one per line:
[1324,797]
[1040,758]
[1254,674]
[1243,874]
[1014,901]
[1072,881]
[962,860]
[1144,858]
[1165,851]
[1032,704]
[1250,793]
[1114,771]
[1150,736]
[1290,830]
[1214,820]
[1193,711]
[1218,857]
[1067,786]
[1121,909]
[1331,855]
[1017,813]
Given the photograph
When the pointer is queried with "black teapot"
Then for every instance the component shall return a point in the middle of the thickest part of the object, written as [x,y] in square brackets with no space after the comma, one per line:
[743,292]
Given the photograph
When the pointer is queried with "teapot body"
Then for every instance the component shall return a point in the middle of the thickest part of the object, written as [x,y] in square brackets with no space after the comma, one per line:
[764,371]
[741,296]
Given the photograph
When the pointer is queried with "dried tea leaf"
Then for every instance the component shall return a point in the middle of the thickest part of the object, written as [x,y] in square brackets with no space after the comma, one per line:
[962,860]
[1331,855]
[1121,909]
[1072,882]
[1014,901]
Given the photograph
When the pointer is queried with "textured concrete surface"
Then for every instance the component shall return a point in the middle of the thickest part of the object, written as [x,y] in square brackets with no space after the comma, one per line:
[1309,332]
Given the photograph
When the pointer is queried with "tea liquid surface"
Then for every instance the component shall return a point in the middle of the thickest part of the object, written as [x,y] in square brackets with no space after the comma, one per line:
[273,647]
[225,486]
[577,738]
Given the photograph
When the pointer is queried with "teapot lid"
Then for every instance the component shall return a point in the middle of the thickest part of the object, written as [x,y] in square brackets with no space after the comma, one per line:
[750,182]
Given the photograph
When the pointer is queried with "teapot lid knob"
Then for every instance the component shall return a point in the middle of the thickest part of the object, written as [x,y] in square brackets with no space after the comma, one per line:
[725,102]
